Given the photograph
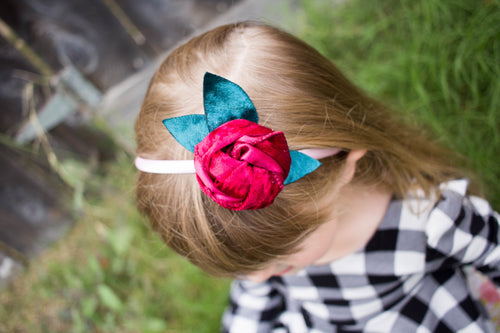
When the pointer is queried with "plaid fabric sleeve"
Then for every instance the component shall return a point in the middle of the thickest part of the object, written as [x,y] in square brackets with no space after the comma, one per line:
[253,308]
[464,230]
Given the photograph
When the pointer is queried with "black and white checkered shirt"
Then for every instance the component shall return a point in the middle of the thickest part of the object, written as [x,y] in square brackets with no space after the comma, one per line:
[408,278]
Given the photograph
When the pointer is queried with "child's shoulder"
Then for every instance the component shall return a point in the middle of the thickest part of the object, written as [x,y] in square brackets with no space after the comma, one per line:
[455,201]
[451,213]
[448,204]
[448,196]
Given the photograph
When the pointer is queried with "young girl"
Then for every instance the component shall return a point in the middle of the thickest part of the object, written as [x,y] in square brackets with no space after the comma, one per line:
[375,239]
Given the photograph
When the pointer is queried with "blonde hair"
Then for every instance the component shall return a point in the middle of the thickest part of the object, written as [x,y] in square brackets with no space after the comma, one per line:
[295,90]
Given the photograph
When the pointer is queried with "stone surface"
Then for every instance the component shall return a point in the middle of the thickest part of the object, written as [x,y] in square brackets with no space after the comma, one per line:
[34,209]
[33,203]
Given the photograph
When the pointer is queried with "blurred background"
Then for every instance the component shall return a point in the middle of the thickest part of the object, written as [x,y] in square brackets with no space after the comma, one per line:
[75,256]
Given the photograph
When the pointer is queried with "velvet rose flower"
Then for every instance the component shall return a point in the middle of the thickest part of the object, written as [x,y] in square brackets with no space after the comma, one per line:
[242,165]
[238,163]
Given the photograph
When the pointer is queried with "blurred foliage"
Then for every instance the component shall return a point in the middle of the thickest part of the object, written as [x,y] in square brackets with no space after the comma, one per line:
[438,61]
[112,274]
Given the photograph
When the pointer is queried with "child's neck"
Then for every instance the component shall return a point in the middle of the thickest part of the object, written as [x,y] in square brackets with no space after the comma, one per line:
[363,209]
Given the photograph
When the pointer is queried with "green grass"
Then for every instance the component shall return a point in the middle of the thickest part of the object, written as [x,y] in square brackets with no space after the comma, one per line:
[439,61]
[436,60]
[112,274]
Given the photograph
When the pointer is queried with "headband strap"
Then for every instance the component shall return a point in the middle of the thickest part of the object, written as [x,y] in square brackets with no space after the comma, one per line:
[164,166]
[187,166]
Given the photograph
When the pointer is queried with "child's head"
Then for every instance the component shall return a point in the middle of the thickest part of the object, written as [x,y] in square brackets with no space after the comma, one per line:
[297,91]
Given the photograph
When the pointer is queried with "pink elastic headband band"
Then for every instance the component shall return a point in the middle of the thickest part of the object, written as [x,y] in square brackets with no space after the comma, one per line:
[187,166]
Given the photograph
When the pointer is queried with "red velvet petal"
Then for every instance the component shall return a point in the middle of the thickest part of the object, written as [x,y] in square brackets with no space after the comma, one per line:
[242,165]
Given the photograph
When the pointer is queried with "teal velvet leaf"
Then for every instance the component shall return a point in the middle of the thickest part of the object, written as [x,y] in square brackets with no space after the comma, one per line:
[301,166]
[188,130]
[225,101]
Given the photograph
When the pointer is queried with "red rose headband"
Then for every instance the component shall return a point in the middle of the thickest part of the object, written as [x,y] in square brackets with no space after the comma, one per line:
[238,163]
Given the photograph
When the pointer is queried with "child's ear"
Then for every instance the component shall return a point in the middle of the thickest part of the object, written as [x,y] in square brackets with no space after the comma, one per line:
[350,165]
